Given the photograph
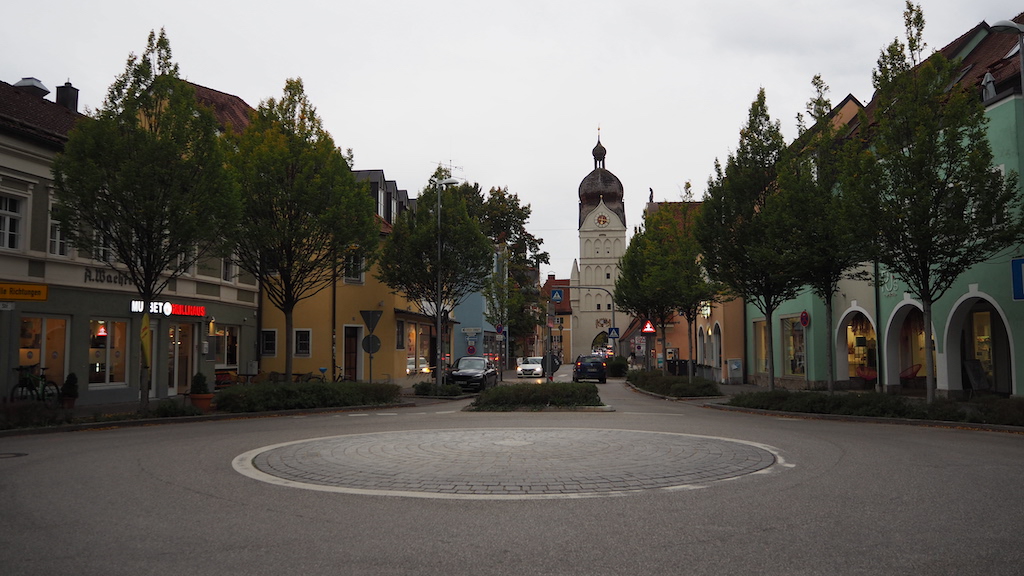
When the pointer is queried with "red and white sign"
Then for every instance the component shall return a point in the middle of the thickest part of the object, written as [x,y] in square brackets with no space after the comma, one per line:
[168,309]
[648,328]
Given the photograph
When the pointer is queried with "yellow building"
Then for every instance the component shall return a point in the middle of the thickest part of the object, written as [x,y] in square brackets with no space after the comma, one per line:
[330,331]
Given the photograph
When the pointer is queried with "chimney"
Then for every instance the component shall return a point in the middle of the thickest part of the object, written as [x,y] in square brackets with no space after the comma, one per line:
[32,86]
[67,96]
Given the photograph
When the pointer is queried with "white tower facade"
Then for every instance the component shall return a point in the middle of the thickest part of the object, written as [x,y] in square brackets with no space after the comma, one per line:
[602,237]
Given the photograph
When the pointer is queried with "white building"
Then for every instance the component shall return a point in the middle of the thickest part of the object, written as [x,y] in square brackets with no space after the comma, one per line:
[602,234]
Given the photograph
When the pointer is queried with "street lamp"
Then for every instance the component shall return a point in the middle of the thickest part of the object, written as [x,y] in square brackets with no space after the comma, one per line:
[437,302]
[1011,27]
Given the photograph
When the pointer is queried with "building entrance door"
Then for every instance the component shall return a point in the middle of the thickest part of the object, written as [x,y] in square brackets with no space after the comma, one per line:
[351,352]
[179,358]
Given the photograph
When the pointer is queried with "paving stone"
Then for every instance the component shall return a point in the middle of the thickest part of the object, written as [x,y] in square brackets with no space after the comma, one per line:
[511,462]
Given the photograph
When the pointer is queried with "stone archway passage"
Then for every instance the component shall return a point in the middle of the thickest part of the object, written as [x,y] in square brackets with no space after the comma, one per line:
[505,463]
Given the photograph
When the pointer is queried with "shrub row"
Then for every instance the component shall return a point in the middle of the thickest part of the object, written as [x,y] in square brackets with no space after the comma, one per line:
[988,410]
[528,395]
[618,366]
[270,396]
[674,386]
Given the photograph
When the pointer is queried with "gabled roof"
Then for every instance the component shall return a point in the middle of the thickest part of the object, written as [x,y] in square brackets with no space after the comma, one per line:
[30,116]
[563,307]
[982,51]
[232,112]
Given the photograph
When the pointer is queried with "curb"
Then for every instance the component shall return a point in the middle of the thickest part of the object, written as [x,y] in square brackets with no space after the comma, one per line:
[139,422]
[716,403]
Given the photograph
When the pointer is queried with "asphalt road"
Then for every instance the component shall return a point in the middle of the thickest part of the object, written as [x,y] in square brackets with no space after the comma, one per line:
[838,498]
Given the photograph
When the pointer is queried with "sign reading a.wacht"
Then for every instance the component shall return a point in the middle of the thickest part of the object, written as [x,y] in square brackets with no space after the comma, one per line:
[9,291]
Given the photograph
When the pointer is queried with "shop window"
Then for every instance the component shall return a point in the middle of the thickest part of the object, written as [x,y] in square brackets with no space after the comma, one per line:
[224,341]
[268,343]
[10,221]
[108,352]
[43,341]
[760,347]
[400,335]
[423,342]
[303,342]
[793,347]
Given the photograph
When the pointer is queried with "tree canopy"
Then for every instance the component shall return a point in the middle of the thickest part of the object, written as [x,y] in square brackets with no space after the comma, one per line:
[304,217]
[410,263]
[744,230]
[831,229]
[939,204]
[659,274]
[140,185]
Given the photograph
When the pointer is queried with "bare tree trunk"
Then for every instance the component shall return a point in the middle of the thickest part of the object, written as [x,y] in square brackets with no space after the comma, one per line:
[145,356]
[289,342]
[664,351]
[770,350]
[691,370]
[929,356]
[830,359]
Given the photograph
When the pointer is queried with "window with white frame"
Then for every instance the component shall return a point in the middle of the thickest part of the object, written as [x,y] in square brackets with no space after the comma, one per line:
[227,270]
[58,245]
[268,343]
[101,248]
[354,270]
[11,215]
[303,342]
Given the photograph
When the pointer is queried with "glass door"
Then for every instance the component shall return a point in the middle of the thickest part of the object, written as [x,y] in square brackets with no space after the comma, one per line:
[179,358]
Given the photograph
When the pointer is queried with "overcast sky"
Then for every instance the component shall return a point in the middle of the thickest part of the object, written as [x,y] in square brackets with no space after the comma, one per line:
[511,94]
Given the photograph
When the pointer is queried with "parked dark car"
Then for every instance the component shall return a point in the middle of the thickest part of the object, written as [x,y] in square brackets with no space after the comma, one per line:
[473,373]
[591,367]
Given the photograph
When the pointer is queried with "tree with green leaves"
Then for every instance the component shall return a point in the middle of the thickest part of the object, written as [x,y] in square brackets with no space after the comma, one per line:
[141,185]
[829,224]
[409,261]
[744,230]
[940,205]
[503,219]
[660,275]
[304,217]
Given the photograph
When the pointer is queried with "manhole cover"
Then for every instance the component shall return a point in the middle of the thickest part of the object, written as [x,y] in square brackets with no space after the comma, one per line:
[505,463]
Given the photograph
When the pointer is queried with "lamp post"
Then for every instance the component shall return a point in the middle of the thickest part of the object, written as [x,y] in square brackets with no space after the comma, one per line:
[438,302]
[1011,27]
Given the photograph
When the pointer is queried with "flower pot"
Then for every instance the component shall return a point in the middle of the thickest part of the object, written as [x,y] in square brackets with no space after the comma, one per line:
[202,401]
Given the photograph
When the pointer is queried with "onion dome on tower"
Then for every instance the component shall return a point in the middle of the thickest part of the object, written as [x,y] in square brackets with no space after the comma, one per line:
[601,185]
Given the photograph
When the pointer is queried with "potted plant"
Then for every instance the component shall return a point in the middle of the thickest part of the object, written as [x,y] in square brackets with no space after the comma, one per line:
[69,391]
[200,392]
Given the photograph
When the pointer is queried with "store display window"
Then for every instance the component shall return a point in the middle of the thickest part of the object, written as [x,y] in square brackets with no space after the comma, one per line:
[108,352]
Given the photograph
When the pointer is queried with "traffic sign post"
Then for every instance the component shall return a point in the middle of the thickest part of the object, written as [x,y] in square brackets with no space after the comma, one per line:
[557,295]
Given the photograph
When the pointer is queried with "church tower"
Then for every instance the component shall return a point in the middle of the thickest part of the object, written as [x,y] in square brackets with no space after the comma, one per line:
[602,236]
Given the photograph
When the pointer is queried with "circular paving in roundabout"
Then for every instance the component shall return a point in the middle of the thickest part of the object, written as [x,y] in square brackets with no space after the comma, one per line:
[505,463]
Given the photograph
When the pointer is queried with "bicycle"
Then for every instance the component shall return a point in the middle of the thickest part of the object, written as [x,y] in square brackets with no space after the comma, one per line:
[32,386]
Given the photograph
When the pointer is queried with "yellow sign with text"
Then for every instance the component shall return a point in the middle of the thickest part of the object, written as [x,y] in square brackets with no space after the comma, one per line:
[9,291]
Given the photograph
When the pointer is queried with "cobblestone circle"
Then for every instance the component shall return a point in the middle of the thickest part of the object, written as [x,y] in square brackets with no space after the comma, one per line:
[505,463]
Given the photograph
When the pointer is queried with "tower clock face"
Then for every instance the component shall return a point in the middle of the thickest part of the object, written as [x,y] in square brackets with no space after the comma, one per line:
[602,220]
